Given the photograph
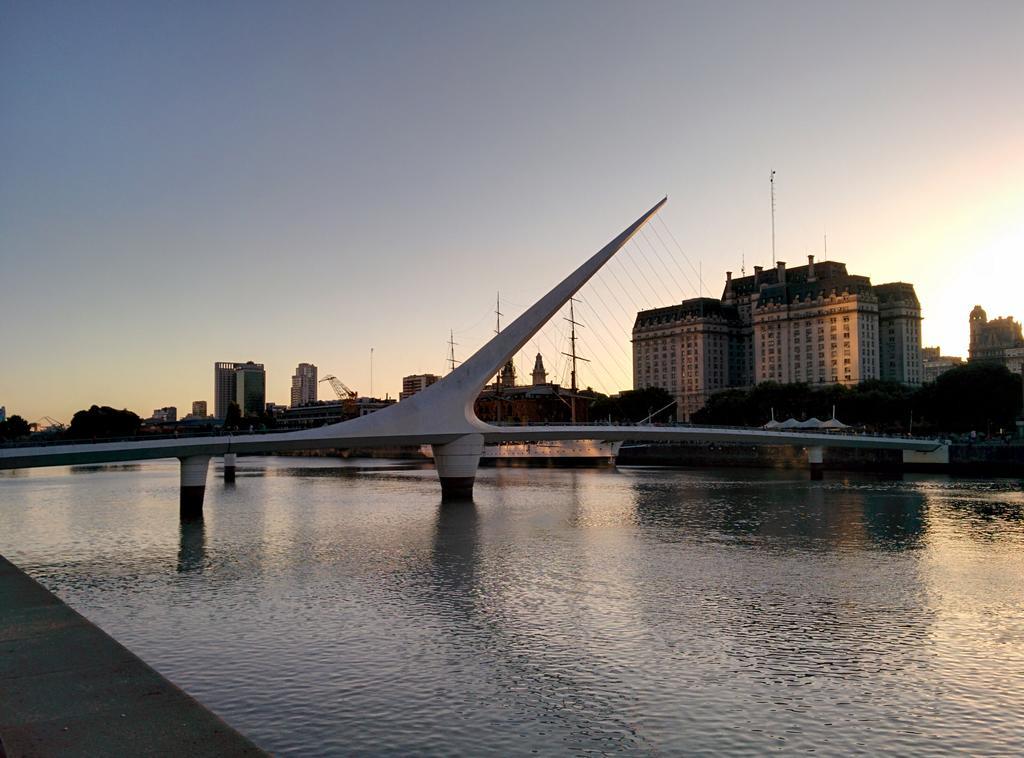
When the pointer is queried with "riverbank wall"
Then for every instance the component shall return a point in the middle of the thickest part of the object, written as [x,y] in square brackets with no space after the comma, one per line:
[964,459]
[69,688]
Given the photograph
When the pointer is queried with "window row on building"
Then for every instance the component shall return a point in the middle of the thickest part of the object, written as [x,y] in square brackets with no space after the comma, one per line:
[815,323]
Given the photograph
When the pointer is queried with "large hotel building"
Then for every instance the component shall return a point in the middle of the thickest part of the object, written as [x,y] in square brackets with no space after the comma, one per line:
[815,323]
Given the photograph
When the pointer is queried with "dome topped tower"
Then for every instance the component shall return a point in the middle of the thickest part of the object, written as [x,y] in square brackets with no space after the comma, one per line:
[978,320]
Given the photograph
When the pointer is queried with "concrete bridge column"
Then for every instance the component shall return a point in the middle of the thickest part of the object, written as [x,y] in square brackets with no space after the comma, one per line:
[456,464]
[229,467]
[193,485]
[816,459]
[936,459]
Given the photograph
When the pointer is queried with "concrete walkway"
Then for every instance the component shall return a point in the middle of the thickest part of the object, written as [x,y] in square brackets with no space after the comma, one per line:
[67,688]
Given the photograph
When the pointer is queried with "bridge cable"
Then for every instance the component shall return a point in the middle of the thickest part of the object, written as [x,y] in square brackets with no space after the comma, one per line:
[636,287]
[671,298]
[624,290]
[700,278]
[601,321]
[618,302]
[672,256]
[682,291]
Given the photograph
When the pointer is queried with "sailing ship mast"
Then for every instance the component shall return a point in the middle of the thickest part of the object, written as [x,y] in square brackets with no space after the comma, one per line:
[574,356]
[451,351]
[497,378]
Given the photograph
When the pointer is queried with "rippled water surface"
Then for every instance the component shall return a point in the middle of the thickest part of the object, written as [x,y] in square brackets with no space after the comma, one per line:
[326,607]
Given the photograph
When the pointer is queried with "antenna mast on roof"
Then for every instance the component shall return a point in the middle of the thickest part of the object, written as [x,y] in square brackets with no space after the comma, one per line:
[771,180]
[743,264]
[826,246]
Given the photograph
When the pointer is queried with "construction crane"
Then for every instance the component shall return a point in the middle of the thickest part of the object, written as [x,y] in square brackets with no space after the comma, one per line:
[343,392]
[47,424]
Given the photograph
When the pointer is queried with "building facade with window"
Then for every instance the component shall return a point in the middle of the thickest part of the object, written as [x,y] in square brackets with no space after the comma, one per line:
[816,324]
[899,344]
[304,385]
[416,383]
[165,415]
[997,341]
[690,350]
[242,383]
[251,388]
[934,364]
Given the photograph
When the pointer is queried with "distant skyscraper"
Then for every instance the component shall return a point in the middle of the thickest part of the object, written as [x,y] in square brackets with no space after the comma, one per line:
[416,383]
[223,387]
[3,413]
[304,385]
[199,408]
[251,388]
[247,389]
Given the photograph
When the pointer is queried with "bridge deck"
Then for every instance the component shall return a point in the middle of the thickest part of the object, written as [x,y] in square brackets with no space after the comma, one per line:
[68,688]
[349,435]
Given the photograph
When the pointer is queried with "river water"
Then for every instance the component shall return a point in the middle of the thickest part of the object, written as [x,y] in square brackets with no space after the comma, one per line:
[330,607]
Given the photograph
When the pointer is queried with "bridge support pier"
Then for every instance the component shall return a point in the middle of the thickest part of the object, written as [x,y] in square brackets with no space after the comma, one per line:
[229,468]
[193,485]
[816,459]
[456,464]
[936,459]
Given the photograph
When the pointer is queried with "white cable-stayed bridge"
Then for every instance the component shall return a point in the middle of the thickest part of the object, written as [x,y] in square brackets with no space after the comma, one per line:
[443,414]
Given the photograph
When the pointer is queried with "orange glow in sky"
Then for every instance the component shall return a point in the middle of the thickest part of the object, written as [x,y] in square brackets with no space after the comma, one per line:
[302,184]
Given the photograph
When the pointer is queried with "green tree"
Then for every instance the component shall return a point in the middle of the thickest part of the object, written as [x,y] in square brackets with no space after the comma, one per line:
[976,396]
[14,428]
[233,417]
[103,422]
[634,405]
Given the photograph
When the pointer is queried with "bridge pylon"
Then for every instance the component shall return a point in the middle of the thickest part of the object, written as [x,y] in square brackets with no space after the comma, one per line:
[816,462]
[193,486]
[456,464]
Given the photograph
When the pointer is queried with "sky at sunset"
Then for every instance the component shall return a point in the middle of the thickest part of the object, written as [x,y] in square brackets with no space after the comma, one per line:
[182,183]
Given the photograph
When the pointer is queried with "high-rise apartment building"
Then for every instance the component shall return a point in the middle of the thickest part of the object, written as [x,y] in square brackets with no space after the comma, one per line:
[198,409]
[816,324]
[242,383]
[416,383]
[304,385]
